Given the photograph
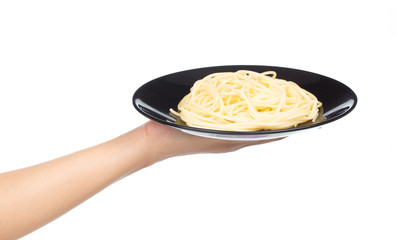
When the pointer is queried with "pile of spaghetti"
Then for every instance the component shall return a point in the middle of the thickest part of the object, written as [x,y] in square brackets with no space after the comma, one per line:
[247,101]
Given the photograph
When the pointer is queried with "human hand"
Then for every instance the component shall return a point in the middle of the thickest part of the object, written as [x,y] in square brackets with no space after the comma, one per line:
[171,142]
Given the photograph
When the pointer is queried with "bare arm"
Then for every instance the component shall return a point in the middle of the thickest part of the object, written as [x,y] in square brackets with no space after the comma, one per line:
[33,196]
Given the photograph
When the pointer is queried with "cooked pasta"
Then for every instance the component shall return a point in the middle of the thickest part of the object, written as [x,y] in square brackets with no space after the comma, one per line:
[246,101]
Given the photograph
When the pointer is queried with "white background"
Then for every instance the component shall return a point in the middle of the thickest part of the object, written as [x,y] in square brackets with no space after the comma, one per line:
[68,70]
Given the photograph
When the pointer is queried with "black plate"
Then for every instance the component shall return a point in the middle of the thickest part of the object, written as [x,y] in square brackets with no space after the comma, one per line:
[155,98]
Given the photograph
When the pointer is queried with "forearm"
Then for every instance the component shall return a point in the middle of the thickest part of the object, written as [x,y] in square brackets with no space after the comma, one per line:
[34,196]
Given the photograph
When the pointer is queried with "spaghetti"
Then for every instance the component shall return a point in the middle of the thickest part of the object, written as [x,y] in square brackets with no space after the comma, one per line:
[247,101]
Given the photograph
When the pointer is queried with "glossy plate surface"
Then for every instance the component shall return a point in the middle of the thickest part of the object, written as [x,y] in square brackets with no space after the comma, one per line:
[156,97]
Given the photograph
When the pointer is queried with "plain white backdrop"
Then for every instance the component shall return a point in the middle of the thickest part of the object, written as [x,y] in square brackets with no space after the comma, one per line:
[68,70]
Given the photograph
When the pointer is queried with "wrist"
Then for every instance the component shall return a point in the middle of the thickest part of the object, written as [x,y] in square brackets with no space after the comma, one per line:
[161,141]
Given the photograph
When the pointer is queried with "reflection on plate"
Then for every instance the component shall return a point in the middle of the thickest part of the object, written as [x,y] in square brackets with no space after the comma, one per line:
[155,98]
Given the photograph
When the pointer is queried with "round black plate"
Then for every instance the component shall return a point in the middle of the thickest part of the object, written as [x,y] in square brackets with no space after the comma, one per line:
[156,97]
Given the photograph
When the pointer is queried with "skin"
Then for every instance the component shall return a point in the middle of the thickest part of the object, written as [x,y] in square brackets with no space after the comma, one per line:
[34,196]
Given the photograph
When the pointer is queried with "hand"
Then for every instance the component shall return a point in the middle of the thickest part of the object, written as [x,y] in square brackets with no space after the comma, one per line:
[168,142]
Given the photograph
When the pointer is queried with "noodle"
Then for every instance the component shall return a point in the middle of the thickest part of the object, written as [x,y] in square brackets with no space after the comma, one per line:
[246,101]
